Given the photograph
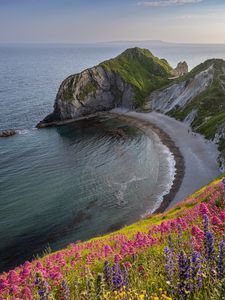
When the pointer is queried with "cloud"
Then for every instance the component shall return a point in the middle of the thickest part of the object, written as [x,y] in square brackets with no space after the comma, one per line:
[160,3]
[196,16]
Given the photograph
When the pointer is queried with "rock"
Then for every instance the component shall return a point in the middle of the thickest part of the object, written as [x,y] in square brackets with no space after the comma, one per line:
[124,81]
[178,95]
[181,69]
[7,133]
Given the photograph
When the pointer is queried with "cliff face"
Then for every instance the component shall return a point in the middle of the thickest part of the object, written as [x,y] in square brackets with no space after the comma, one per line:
[198,99]
[124,81]
[178,95]
[90,91]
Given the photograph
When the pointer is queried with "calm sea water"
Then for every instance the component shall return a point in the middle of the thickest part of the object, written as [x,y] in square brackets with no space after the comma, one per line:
[58,185]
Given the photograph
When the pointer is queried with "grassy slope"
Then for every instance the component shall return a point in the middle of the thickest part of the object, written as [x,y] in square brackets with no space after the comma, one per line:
[78,270]
[141,69]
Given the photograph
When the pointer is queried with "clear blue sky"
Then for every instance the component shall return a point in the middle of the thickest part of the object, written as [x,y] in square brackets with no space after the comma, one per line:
[78,21]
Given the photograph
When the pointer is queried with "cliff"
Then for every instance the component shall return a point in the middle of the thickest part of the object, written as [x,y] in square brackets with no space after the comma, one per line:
[198,99]
[123,81]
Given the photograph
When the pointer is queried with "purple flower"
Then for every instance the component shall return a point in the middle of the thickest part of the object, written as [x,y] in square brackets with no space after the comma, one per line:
[184,274]
[210,245]
[196,275]
[117,277]
[206,223]
[107,273]
[221,260]
[169,267]
[42,286]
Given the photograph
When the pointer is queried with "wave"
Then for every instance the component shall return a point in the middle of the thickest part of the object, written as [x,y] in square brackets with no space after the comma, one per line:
[120,194]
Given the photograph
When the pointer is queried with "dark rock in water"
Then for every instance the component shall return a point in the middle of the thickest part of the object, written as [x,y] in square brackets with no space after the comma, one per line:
[7,133]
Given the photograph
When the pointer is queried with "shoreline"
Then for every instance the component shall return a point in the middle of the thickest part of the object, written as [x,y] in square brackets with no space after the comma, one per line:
[200,156]
[165,140]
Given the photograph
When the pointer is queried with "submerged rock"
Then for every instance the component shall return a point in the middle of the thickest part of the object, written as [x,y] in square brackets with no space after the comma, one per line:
[7,133]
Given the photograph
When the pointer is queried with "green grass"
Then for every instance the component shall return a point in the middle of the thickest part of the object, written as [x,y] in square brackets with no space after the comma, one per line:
[141,69]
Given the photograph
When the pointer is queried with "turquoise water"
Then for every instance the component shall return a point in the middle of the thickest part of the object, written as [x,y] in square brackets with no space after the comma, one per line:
[59,185]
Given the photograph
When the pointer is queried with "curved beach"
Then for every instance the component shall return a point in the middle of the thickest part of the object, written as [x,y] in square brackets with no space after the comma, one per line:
[192,152]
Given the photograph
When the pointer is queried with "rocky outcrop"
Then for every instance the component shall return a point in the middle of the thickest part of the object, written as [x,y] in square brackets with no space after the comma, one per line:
[90,91]
[7,133]
[124,81]
[181,69]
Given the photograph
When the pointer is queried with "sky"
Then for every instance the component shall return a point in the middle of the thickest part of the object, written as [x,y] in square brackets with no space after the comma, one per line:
[88,21]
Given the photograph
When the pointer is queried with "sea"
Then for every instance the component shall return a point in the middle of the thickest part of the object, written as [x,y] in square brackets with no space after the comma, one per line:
[63,184]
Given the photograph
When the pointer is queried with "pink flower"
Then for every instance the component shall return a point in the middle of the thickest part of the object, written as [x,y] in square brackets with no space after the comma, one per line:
[55,276]
[117,258]
[203,208]
[13,277]
[14,290]
[197,232]
[3,284]
[222,215]
[26,294]
[127,265]
[216,221]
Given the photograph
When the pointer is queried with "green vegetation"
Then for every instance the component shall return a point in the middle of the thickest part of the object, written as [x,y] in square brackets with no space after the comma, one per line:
[141,69]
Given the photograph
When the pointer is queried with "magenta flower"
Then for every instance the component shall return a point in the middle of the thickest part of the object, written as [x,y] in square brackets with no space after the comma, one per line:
[26,294]
[216,221]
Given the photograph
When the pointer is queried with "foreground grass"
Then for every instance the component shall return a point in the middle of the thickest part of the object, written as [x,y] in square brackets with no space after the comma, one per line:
[179,254]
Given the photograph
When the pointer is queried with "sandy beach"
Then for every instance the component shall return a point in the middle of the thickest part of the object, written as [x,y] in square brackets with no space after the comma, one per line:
[196,157]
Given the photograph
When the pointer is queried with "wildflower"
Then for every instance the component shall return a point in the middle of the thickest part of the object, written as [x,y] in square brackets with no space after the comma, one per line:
[216,221]
[42,287]
[169,267]
[127,265]
[117,277]
[210,245]
[206,223]
[184,265]
[117,258]
[13,277]
[64,291]
[107,273]
[203,208]
[221,261]
[14,290]
[196,271]
[26,294]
